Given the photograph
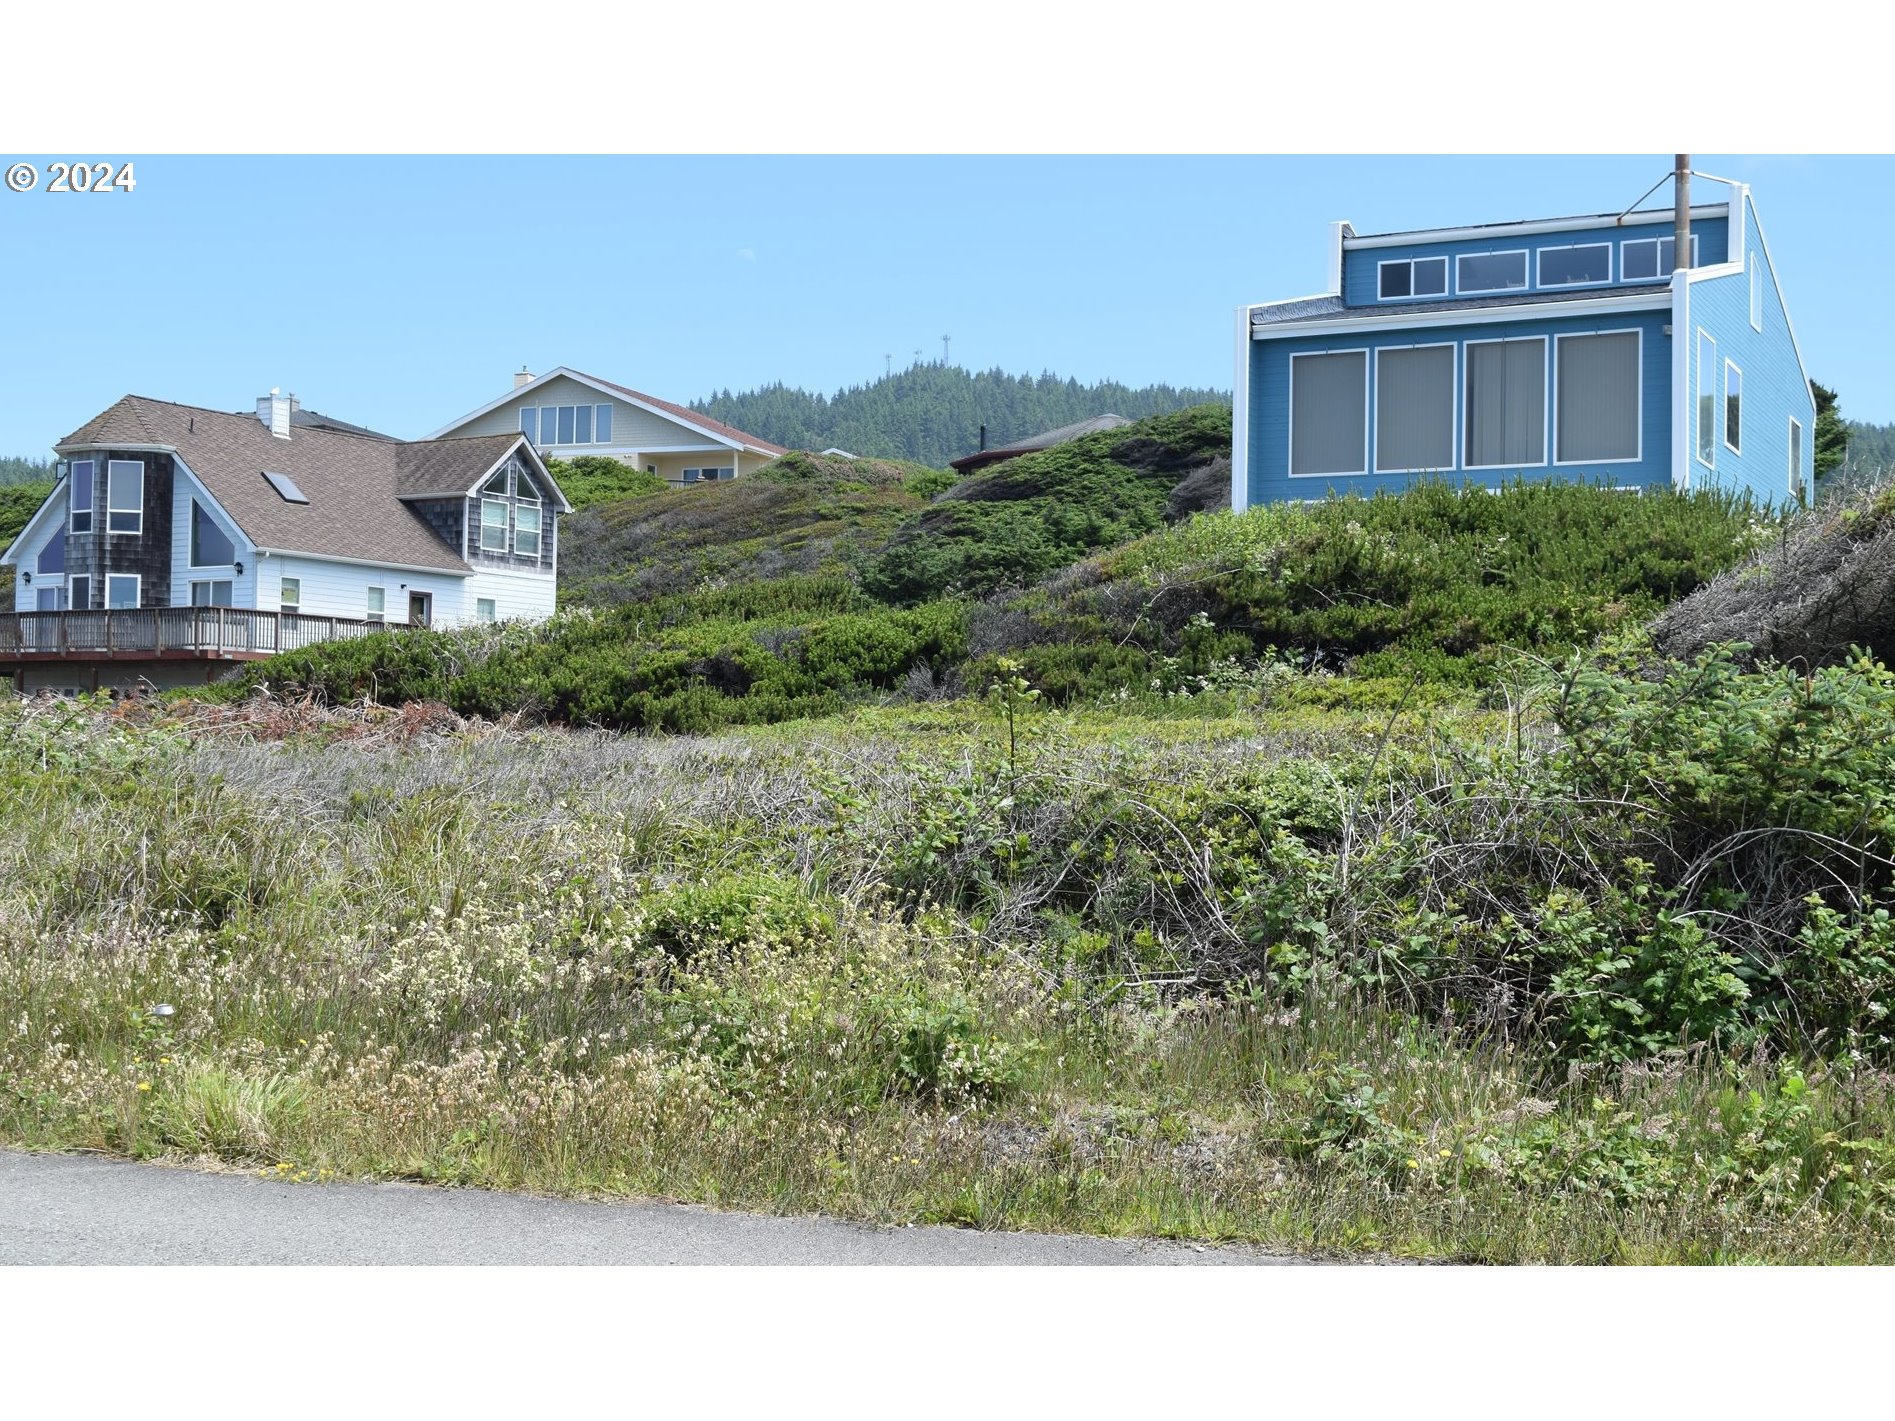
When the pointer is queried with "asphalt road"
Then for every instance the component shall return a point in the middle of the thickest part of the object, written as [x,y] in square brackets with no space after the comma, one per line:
[87,1209]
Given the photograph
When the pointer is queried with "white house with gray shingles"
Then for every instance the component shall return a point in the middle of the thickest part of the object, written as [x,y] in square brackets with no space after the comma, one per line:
[302,526]
[567,413]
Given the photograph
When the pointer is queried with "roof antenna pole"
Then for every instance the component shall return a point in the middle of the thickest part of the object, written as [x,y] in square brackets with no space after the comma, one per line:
[1681,213]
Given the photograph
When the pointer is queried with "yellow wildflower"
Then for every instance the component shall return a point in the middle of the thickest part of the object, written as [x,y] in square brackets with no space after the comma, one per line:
[1414,1164]
[144,1085]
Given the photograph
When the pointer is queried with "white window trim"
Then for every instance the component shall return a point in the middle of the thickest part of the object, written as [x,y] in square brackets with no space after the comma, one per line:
[110,509]
[1639,385]
[289,604]
[1368,413]
[1756,295]
[486,610]
[539,532]
[138,592]
[1795,452]
[1526,272]
[1699,391]
[505,524]
[1454,414]
[1546,399]
[1725,435]
[369,613]
[1409,262]
[73,579]
[1640,241]
[1539,261]
[72,486]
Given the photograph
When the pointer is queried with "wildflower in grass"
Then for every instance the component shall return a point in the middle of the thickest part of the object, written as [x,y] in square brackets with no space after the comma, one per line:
[1414,1164]
[144,1085]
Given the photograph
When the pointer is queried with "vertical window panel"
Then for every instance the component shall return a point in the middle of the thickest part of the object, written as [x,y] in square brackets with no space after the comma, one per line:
[1414,409]
[1707,399]
[602,424]
[124,496]
[1329,413]
[1505,421]
[1596,397]
[1733,407]
[81,495]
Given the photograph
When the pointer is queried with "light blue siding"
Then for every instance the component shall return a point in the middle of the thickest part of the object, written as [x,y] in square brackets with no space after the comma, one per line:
[47,523]
[1359,281]
[1774,389]
[185,489]
[1269,444]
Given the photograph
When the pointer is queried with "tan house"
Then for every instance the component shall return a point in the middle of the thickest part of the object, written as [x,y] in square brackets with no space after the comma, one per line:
[567,413]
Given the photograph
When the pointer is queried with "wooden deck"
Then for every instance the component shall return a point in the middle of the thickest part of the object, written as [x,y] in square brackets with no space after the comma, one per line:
[166,634]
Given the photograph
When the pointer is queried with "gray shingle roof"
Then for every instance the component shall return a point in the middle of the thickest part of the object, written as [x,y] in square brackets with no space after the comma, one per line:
[355,484]
[1331,308]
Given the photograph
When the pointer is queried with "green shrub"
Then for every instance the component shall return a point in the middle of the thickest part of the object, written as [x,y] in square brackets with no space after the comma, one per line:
[592,479]
[1432,584]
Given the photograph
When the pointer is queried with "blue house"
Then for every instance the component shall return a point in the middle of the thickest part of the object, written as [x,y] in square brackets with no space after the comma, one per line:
[1568,348]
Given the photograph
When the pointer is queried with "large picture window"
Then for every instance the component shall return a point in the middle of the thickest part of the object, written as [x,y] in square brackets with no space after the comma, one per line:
[1414,409]
[121,592]
[210,547]
[124,496]
[1329,413]
[81,495]
[52,558]
[1416,276]
[1707,399]
[1490,271]
[1505,420]
[1588,264]
[1596,397]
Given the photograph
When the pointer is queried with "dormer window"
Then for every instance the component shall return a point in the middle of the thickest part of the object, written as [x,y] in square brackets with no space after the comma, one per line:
[1414,277]
[1476,272]
[526,529]
[493,525]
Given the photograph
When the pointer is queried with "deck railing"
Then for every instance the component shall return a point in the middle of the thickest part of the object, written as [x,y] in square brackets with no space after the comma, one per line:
[233,632]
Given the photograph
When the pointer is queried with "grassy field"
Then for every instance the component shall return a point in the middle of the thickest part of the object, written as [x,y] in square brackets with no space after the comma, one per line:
[973,961]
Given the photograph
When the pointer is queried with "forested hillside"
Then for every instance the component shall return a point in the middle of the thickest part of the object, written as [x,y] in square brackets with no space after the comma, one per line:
[25,471]
[930,414]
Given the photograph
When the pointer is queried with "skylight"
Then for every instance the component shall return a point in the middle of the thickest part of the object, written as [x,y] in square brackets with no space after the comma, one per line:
[286,486]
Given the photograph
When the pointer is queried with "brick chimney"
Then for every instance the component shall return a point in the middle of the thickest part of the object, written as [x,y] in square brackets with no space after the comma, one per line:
[523,378]
[275,408]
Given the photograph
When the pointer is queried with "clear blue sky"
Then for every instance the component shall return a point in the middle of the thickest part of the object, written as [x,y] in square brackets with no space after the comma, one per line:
[401,293]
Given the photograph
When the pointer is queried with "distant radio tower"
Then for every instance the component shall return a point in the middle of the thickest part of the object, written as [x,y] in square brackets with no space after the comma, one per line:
[888,364]
[944,348]
[917,357]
